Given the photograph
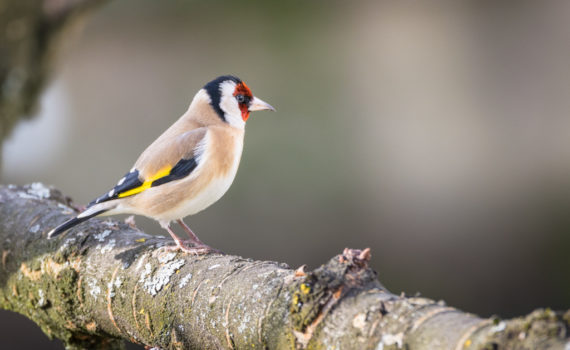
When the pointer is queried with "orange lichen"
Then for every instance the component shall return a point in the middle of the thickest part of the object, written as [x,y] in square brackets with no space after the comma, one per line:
[91,326]
[54,268]
[147,322]
[79,293]
[228,335]
[338,292]
[28,273]
[70,325]
[50,267]
[300,272]
[110,299]
[5,254]
[134,305]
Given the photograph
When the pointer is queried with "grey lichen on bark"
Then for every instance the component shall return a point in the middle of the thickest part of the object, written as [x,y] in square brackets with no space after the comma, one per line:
[106,280]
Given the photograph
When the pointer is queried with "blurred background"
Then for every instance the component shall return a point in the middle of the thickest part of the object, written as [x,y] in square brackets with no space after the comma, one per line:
[436,134]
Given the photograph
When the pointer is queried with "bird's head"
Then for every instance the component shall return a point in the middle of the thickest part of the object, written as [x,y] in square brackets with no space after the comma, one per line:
[232,100]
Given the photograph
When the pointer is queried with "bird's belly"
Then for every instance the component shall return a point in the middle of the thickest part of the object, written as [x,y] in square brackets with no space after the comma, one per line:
[210,194]
[205,185]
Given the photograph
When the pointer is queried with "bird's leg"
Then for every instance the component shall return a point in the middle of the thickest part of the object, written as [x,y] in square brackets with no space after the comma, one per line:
[178,240]
[193,238]
[183,247]
[196,242]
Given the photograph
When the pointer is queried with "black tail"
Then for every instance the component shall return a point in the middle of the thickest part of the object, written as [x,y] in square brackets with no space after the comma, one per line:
[70,223]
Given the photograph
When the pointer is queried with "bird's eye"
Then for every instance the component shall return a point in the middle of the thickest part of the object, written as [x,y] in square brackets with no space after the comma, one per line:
[240,98]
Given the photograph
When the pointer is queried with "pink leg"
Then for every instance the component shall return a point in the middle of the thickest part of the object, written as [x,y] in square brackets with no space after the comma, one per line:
[193,238]
[201,249]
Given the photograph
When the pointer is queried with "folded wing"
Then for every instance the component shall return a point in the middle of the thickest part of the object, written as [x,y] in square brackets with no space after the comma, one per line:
[161,163]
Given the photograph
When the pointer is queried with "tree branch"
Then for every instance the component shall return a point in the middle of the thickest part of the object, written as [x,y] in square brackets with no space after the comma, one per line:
[105,280]
[31,33]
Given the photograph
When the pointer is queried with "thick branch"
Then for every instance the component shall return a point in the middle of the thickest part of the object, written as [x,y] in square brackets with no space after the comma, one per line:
[105,280]
[30,34]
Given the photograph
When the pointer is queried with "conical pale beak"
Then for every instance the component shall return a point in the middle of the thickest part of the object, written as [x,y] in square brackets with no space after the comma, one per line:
[259,105]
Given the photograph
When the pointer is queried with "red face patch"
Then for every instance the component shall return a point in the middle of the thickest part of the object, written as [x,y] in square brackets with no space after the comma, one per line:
[243,90]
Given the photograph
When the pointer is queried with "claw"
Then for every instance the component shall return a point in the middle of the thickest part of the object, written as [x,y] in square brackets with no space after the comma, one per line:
[196,250]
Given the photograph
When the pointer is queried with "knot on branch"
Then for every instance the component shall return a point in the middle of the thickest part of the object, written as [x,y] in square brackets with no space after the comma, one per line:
[320,290]
[357,257]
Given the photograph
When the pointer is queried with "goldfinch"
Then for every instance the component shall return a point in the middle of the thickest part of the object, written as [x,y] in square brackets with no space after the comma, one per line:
[188,168]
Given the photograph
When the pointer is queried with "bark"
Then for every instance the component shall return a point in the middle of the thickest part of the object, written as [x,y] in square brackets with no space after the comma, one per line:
[106,280]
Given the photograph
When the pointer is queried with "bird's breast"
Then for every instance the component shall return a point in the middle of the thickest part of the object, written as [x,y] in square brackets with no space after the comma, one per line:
[211,179]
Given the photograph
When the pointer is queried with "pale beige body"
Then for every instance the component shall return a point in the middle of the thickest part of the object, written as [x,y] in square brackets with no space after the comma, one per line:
[201,133]
[204,186]
[187,168]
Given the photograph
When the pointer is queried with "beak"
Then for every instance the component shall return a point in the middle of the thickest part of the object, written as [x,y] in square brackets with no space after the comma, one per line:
[259,105]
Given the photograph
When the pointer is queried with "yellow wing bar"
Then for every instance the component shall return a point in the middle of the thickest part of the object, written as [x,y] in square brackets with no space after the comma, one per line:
[147,183]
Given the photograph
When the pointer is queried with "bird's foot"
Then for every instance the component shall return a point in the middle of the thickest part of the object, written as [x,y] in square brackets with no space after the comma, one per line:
[194,249]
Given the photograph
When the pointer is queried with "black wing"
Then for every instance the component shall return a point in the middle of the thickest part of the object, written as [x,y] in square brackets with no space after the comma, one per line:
[182,169]
[131,183]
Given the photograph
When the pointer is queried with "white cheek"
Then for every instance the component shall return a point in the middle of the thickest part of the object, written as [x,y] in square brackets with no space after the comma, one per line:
[233,114]
[229,105]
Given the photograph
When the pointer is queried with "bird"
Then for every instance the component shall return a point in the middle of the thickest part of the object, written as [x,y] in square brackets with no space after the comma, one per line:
[188,167]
